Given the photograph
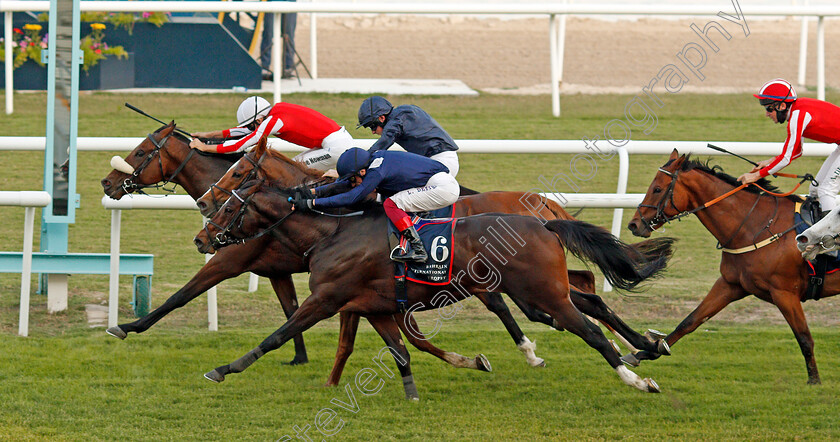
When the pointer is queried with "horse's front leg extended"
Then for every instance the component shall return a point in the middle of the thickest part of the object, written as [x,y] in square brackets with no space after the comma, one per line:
[387,328]
[348,325]
[791,308]
[284,288]
[721,295]
[213,272]
[413,334]
[495,304]
[314,309]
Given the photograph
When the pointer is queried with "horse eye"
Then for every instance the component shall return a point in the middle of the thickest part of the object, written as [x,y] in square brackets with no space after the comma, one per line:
[237,174]
[657,190]
[139,153]
[228,210]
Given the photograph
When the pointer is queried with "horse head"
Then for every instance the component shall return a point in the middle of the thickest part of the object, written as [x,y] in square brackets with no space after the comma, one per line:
[261,163]
[156,159]
[822,237]
[662,198]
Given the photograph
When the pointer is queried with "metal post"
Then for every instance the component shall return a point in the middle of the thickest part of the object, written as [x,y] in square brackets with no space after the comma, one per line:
[561,45]
[803,51]
[114,278]
[212,304]
[276,57]
[552,48]
[821,58]
[618,214]
[7,34]
[26,273]
[313,46]
[253,282]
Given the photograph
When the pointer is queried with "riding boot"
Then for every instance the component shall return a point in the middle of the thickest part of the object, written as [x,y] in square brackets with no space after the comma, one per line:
[418,252]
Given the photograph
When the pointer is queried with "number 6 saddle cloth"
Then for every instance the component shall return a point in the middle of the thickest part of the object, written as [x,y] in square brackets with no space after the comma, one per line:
[436,231]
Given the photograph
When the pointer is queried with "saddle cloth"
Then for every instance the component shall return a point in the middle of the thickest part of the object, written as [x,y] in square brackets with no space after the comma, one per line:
[801,225]
[436,232]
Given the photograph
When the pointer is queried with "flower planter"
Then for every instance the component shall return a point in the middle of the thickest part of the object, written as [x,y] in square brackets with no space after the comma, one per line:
[111,73]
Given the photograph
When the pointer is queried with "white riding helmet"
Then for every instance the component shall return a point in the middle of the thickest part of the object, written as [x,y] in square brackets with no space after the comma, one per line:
[251,109]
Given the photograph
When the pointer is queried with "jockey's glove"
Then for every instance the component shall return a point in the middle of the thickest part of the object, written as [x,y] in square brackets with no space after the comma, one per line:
[301,203]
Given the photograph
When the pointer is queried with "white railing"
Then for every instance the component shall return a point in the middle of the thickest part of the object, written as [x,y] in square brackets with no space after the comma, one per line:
[29,200]
[555,12]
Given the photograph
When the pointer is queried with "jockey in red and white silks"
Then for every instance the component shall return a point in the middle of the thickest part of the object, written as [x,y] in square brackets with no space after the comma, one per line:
[807,118]
[300,125]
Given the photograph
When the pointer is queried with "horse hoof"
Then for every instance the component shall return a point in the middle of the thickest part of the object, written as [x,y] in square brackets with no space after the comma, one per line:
[214,376]
[413,398]
[813,381]
[297,361]
[482,363]
[537,363]
[654,335]
[653,387]
[663,348]
[630,360]
[116,332]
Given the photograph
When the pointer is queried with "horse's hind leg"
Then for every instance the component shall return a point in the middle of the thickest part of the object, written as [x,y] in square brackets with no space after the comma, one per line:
[791,308]
[413,334]
[495,304]
[349,324]
[284,288]
[387,328]
[572,320]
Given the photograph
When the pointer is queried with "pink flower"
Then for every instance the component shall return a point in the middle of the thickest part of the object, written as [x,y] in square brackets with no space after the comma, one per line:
[147,14]
[23,44]
[44,44]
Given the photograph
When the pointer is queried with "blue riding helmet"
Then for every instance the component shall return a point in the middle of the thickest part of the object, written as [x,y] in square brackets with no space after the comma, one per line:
[372,108]
[352,161]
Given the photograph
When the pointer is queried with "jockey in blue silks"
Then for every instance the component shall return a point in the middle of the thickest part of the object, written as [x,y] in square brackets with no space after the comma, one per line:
[409,182]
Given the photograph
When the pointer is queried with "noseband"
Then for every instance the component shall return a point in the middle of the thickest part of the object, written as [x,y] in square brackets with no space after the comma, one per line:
[660,217]
[223,237]
[251,175]
[130,184]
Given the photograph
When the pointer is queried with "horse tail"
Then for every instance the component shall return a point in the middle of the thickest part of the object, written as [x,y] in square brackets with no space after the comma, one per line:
[558,210]
[623,266]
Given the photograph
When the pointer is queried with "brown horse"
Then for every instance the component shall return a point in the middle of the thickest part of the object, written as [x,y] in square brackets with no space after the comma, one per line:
[770,269]
[264,163]
[350,269]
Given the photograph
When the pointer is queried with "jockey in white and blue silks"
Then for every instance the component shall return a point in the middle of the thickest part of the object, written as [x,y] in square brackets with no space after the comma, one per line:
[411,127]
[410,182]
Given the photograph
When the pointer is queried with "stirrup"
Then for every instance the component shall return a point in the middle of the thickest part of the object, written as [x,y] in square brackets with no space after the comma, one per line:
[399,254]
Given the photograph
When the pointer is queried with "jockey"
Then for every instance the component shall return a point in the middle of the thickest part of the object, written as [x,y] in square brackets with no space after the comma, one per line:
[410,182]
[324,138]
[809,118]
[411,127]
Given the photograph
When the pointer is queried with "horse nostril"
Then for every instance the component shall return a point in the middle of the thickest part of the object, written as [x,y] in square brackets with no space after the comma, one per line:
[802,239]
[106,183]
[201,205]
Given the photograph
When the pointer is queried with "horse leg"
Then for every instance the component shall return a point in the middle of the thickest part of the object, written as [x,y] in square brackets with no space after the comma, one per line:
[348,325]
[791,308]
[387,328]
[495,304]
[410,329]
[314,309]
[721,295]
[595,307]
[213,272]
[573,320]
[284,288]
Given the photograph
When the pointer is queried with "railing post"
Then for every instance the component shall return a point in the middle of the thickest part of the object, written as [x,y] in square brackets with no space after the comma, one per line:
[621,189]
[26,273]
[821,58]
[212,300]
[114,278]
[276,57]
[313,46]
[803,51]
[10,104]
[253,282]
[552,48]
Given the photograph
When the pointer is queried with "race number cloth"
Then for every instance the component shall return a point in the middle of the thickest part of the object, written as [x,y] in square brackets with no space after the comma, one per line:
[436,234]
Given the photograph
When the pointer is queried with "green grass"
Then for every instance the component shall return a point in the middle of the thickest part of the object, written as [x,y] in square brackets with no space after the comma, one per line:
[740,376]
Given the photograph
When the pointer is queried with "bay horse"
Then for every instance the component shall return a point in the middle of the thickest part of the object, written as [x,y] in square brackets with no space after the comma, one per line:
[754,229]
[267,164]
[351,270]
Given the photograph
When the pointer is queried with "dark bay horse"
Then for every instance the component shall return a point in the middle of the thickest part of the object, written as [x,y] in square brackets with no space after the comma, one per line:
[351,271]
[264,163]
[774,272]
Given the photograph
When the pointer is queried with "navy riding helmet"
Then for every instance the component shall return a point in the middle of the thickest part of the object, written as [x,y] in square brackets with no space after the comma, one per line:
[371,109]
[352,161]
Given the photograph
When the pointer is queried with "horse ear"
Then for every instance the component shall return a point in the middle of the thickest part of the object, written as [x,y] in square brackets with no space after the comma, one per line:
[674,155]
[262,145]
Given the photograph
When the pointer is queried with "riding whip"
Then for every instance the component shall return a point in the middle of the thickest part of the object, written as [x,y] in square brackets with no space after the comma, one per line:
[720,149]
[153,118]
[806,177]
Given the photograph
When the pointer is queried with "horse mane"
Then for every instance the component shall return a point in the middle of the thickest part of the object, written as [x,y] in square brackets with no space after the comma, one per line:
[314,173]
[717,171]
[229,157]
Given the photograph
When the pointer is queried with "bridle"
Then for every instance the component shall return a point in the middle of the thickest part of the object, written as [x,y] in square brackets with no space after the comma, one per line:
[251,175]
[130,184]
[660,217]
[223,237]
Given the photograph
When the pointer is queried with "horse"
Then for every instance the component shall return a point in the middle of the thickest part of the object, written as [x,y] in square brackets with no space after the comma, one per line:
[820,237]
[351,271]
[264,163]
[165,157]
[752,227]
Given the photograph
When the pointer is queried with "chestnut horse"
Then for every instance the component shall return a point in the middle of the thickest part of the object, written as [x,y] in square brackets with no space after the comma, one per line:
[351,271]
[754,229]
[264,163]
